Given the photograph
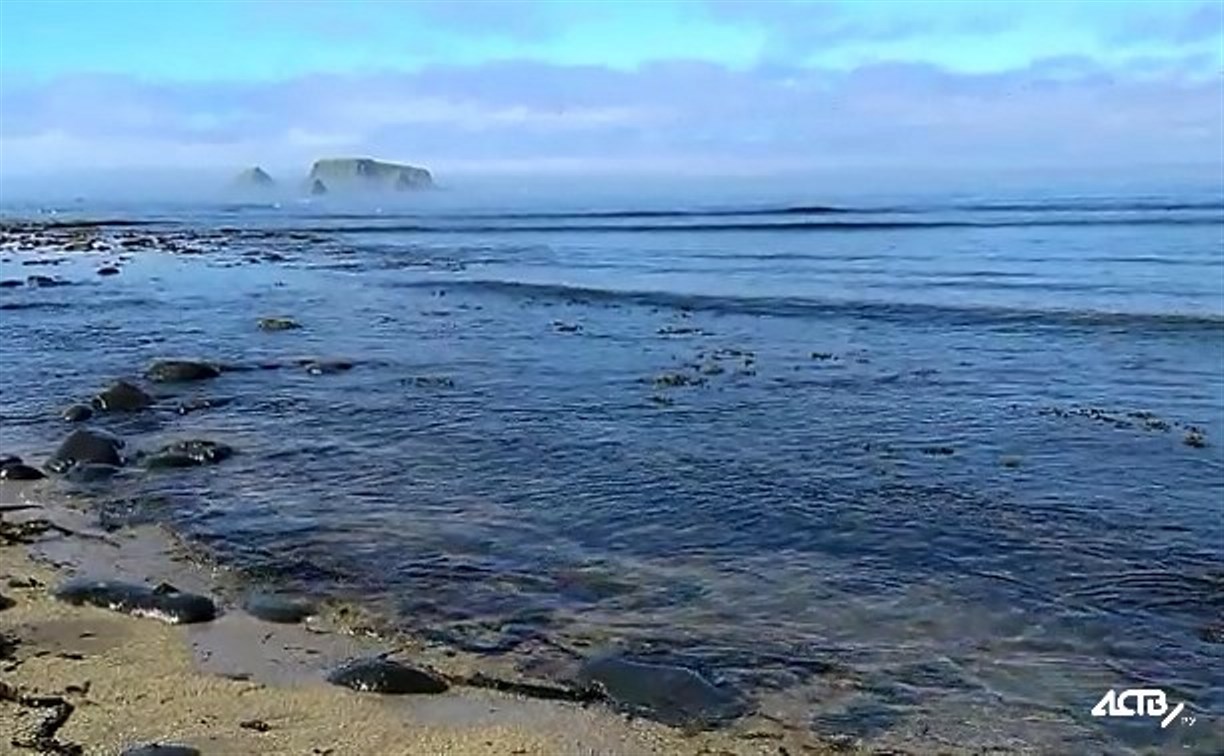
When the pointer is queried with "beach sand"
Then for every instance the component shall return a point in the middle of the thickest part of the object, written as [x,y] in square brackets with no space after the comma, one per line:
[137,680]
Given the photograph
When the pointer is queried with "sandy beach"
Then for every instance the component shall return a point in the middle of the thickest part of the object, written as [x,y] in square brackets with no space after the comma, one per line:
[238,685]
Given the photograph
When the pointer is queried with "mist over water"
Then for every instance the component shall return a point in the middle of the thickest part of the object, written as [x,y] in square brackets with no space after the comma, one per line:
[935,440]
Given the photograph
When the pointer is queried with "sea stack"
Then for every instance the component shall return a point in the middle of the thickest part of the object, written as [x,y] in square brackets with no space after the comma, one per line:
[366,174]
[253,178]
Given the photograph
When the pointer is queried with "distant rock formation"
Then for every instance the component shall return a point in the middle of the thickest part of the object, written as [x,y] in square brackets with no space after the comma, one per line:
[368,174]
[253,178]
[318,188]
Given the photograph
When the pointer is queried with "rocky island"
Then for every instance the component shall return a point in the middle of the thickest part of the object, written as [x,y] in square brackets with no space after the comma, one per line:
[253,178]
[342,175]
[366,174]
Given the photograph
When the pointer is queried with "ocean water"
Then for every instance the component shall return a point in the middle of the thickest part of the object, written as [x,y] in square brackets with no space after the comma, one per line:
[912,470]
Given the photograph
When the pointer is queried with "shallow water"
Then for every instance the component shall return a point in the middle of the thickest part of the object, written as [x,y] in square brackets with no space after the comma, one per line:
[911,443]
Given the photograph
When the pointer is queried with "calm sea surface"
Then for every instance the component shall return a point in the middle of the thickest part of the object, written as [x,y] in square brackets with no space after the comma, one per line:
[938,444]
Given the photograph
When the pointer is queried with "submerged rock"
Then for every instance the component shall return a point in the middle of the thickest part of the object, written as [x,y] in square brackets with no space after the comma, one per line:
[160,749]
[386,676]
[327,367]
[672,695]
[164,602]
[181,371]
[278,324]
[108,270]
[273,607]
[77,413]
[202,403]
[191,453]
[1195,438]
[122,396]
[85,447]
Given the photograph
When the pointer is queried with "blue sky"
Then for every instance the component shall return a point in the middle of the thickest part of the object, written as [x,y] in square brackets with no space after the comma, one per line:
[687,85]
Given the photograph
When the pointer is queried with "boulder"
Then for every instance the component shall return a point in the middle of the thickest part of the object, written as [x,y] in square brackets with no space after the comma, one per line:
[366,174]
[121,396]
[379,675]
[181,371]
[672,695]
[275,607]
[165,602]
[19,471]
[77,413]
[86,446]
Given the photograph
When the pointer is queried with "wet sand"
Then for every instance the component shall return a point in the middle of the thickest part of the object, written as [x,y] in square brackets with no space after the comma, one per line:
[240,685]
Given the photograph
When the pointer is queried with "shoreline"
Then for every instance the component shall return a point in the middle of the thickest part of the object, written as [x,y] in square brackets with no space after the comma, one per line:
[238,684]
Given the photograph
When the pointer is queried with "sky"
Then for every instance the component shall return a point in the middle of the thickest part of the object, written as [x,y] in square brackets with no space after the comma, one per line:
[667,87]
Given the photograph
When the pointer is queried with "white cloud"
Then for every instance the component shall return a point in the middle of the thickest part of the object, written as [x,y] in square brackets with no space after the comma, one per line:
[680,116]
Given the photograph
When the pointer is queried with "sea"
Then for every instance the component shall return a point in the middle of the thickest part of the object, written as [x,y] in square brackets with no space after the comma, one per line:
[928,472]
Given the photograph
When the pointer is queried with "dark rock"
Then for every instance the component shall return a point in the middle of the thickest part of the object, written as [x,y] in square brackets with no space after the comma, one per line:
[193,453]
[257,725]
[386,676]
[563,327]
[938,451]
[83,447]
[122,396]
[1213,633]
[203,403]
[10,459]
[433,381]
[180,371]
[6,602]
[169,461]
[681,331]
[672,380]
[20,472]
[11,283]
[164,602]
[1195,439]
[109,270]
[272,607]
[45,282]
[77,413]
[327,367]
[160,749]
[278,324]
[671,695]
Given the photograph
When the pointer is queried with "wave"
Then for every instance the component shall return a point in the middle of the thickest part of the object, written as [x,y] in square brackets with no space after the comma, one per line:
[617,214]
[1087,206]
[798,226]
[803,307]
[1090,206]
